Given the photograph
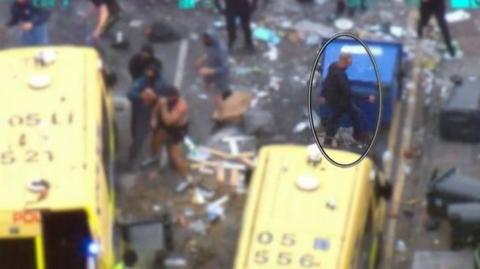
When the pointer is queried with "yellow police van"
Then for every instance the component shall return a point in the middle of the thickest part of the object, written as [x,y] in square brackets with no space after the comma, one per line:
[56,160]
[304,212]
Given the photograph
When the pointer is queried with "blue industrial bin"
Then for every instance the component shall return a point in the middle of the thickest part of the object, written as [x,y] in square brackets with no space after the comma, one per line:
[363,79]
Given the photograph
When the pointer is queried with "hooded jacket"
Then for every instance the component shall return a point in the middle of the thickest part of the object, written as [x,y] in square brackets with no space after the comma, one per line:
[217,59]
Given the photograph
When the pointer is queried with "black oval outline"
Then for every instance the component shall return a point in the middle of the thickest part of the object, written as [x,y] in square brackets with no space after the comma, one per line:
[309,99]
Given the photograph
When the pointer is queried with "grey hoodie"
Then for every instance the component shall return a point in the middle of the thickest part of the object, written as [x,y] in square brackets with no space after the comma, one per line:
[217,58]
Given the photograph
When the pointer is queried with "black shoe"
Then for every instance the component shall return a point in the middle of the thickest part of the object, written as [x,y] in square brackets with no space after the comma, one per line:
[250,49]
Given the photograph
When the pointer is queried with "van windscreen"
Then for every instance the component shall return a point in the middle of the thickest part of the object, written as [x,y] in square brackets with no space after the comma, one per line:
[17,253]
[66,239]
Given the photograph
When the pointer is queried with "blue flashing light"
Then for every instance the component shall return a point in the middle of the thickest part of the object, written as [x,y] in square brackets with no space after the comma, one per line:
[93,249]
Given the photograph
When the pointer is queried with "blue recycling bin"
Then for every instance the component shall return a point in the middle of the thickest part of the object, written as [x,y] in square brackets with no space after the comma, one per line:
[363,80]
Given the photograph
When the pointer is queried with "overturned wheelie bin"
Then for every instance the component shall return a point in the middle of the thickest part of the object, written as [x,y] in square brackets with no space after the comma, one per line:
[450,188]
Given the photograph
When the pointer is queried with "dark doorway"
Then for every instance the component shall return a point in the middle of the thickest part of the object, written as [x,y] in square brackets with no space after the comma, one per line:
[66,236]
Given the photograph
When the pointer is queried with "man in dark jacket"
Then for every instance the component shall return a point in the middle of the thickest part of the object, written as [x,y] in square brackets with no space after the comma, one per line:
[242,9]
[143,96]
[140,61]
[32,20]
[438,9]
[338,95]
[108,14]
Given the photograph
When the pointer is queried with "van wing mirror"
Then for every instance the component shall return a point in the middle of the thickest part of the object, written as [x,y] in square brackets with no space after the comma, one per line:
[110,79]
[384,189]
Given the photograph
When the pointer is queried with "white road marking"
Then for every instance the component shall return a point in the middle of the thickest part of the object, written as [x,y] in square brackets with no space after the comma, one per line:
[182,57]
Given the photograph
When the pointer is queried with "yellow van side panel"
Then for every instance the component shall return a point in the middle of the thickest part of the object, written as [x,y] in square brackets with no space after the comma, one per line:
[286,227]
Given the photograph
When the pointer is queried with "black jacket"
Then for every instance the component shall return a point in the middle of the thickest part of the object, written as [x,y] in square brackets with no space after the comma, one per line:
[336,87]
[137,66]
[236,5]
[21,13]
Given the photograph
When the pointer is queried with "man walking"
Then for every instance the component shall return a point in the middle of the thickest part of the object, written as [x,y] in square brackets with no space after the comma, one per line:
[33,22]
[438,9]
[242,9]
[108,13]
[338,95]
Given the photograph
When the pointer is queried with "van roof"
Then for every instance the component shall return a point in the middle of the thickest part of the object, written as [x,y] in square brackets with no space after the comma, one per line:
[49,133]
[277,206]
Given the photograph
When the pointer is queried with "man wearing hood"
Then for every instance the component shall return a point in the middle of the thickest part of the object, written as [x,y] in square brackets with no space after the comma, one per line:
[140,61]
[238,9]
[213,67]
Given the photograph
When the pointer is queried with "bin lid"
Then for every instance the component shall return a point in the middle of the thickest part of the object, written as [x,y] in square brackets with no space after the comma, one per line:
[468,212]
[387,56]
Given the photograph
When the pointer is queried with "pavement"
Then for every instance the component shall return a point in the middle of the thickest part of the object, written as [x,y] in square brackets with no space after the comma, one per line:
[435,153]
[256,73]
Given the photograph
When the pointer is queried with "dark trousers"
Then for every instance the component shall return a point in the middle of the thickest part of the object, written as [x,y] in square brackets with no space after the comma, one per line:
[140,129]
[438,10]
[333,123]
[342,6]
[244,15]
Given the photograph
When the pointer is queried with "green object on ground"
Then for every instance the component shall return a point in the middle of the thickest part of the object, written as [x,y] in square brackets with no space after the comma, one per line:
[465,4]
[412,3]
[186,4]
[476,257]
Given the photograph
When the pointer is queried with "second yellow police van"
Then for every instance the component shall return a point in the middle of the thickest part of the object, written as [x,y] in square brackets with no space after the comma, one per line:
[304,212]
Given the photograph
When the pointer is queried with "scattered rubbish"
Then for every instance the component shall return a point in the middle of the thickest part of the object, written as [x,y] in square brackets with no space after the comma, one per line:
[194,36]
[120,42]
[307,26]
[408,213]
[206,192]
[188,142]
[198,198]
[215,210]
[386,157]
[187,4]
[412,153]
[219,24]
[301,126]
[189,212]
[233,108]
[156,208]
[161,32]
[397,31]
[198,226]
[272,53]
[343,24]
[457,16]
[407,169]
[182,186]
[203,96]
[313,40]
[266,35]
[259,122]
[400,246]
[135,23]
[175,261]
